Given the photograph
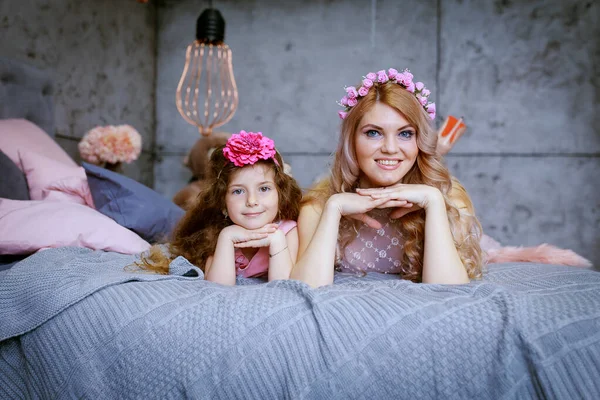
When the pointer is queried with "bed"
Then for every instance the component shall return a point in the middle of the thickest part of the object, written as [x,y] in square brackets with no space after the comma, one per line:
[77,322]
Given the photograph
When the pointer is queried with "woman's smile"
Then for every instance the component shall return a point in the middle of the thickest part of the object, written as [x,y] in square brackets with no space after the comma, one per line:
[388,164]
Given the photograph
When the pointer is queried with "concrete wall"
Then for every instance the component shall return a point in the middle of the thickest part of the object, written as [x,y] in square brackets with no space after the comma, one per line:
[524,74]
[102,54]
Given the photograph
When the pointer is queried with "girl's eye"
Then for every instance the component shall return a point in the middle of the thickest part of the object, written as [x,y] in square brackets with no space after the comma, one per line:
[372,133]
[264,188]
[237,191]
[406,134]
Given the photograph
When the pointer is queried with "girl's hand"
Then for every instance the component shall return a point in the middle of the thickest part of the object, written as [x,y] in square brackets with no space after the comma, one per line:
[275,239]
[354,205]
[406,197]
[237,234]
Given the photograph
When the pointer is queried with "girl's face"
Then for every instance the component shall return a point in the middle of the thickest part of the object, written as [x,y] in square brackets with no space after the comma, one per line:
[386,147]
[252,200]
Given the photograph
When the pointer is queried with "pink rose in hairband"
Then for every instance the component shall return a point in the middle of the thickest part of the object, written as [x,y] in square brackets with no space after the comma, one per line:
[411,87]
[344,101]
[419,86]
[342,114]
[392,73]
[352,93]
[431,110]
[382,77]
[246,148]
[371,76]
[368,83]
[405,78]
[425,92]
[422,100]
[363,91]
[352,102]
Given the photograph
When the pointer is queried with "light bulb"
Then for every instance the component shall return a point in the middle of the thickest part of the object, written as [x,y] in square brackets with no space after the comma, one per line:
[207,95]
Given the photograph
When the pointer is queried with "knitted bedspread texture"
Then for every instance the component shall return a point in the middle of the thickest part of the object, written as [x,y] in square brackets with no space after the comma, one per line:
[76,323]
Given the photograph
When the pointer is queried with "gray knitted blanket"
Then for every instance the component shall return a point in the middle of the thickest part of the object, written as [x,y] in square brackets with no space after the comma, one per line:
[75,324]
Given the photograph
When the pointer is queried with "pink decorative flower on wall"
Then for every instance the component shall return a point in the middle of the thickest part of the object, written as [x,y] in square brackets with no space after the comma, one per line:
[111,144]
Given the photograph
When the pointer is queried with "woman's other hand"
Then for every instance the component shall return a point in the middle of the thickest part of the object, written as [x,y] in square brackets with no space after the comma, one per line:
[354,205]
[406,198]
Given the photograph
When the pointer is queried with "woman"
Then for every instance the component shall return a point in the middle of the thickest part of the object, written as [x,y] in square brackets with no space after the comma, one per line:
[389,204]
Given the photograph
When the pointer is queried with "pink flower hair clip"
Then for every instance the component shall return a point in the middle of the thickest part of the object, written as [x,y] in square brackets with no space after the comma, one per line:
[246,148]
[404,79]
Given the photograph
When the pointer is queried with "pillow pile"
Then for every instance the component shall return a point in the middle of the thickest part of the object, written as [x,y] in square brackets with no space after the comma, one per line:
[45,199]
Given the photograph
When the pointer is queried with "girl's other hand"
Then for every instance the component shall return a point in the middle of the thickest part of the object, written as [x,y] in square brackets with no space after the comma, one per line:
[276,238]
[238,234]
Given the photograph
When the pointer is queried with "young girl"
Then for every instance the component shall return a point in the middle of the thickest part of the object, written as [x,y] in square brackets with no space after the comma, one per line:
[389,204]
[244,222]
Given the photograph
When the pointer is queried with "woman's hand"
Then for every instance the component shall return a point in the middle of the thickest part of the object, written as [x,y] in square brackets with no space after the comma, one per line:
[405,197]
[354,205]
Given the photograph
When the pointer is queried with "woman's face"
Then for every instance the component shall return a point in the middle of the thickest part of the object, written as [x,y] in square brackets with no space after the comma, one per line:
[386,147]
[252,200]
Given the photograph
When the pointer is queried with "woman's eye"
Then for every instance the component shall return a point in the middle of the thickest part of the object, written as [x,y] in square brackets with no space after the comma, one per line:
[265,188]
[406,134]
[372,133]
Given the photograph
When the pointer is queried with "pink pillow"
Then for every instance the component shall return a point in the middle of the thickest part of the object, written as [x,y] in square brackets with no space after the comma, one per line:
[29,225]
[53,180]
[21,134]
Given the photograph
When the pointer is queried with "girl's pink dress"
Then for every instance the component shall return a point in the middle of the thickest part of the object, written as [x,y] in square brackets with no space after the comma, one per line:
[259,264]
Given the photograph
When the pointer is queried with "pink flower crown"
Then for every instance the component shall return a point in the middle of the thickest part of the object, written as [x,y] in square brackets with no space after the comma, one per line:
[246,148]
[404,79]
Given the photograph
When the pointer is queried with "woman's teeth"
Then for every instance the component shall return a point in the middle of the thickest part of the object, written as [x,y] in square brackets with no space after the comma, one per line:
[387,162]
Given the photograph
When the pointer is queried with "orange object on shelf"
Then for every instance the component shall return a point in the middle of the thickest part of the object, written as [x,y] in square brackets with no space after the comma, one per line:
[452,129]
[452,126]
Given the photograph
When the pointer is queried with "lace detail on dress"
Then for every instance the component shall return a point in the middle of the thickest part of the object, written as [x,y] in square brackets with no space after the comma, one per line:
[374,250]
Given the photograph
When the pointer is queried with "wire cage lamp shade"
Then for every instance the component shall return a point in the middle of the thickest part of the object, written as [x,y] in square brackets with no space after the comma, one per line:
[207,95]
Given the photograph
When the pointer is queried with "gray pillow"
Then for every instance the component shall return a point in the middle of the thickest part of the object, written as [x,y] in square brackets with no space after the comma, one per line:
[132,204]
[13,184]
